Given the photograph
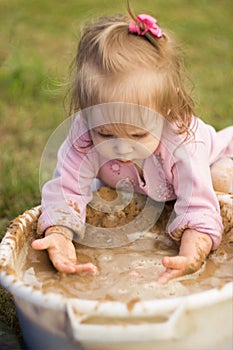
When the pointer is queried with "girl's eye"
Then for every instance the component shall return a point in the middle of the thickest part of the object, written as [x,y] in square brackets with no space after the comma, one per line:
[104,135]
[139,136]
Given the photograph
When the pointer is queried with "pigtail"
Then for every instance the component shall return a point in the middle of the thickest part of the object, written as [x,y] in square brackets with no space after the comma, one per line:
[150,37]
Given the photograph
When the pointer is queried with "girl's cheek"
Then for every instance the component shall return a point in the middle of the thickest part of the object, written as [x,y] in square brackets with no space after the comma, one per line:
[103,148]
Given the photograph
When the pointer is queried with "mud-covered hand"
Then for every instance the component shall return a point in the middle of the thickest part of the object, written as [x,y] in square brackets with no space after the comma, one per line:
[62,253]
[194,249]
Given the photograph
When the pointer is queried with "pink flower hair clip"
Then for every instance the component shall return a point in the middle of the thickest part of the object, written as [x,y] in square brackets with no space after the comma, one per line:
[149,25]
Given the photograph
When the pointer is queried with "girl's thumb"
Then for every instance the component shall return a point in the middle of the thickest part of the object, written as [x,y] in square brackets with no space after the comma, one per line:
[40,244]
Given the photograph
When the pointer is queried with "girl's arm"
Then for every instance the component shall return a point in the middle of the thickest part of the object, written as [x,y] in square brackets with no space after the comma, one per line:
[65,196]
[188,170]
[194,248]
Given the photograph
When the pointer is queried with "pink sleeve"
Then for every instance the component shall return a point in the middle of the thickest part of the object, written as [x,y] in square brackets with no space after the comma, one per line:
[196,206]
[64,198]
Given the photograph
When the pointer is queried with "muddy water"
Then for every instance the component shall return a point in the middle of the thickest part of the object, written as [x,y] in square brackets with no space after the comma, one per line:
[128,272]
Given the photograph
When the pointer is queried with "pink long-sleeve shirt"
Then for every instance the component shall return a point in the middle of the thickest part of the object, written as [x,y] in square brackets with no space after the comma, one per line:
[178,170]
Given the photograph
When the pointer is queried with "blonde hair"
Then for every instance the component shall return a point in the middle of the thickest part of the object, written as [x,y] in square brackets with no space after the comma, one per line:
[114,65]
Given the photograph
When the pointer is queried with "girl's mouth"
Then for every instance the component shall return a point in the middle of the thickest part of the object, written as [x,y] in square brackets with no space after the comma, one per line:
[125,162]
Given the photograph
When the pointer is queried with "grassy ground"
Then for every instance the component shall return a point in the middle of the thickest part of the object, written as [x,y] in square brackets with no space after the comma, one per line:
[38,40]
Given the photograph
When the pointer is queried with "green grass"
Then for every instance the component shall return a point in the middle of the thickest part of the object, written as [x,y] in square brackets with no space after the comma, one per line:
[38,40]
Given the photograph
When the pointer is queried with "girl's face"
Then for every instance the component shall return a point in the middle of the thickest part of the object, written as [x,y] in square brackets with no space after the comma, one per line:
[124,142]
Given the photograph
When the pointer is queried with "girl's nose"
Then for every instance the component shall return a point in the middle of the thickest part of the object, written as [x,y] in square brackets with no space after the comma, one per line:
[123,147]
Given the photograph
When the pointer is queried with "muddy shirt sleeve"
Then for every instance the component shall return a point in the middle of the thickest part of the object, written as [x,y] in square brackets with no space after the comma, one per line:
[196,206]
[65,196]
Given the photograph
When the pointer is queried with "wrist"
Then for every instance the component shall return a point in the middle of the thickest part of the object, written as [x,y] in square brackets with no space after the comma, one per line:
[62,230]
[195,244]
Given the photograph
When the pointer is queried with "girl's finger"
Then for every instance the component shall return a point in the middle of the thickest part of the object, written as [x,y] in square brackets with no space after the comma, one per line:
[168,275]
[64,267]
[41,244]
[89,267]
[176,262]
[68,266]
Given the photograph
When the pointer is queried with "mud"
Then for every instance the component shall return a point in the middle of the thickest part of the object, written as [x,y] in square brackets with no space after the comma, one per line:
[129,272]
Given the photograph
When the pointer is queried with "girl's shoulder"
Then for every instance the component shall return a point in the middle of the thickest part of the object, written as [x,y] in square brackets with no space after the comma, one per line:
[197,129]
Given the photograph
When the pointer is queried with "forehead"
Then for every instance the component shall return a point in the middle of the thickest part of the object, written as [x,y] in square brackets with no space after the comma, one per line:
[123,115]
[120,127]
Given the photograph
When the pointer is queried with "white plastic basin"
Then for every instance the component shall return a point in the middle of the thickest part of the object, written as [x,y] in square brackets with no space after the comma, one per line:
[201,321]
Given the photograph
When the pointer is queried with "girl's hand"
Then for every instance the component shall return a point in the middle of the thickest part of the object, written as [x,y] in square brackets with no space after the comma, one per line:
[62,254]
[177,266]
[194,249]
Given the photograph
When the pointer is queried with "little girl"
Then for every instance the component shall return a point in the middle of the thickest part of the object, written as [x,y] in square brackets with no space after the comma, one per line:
[135,124]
